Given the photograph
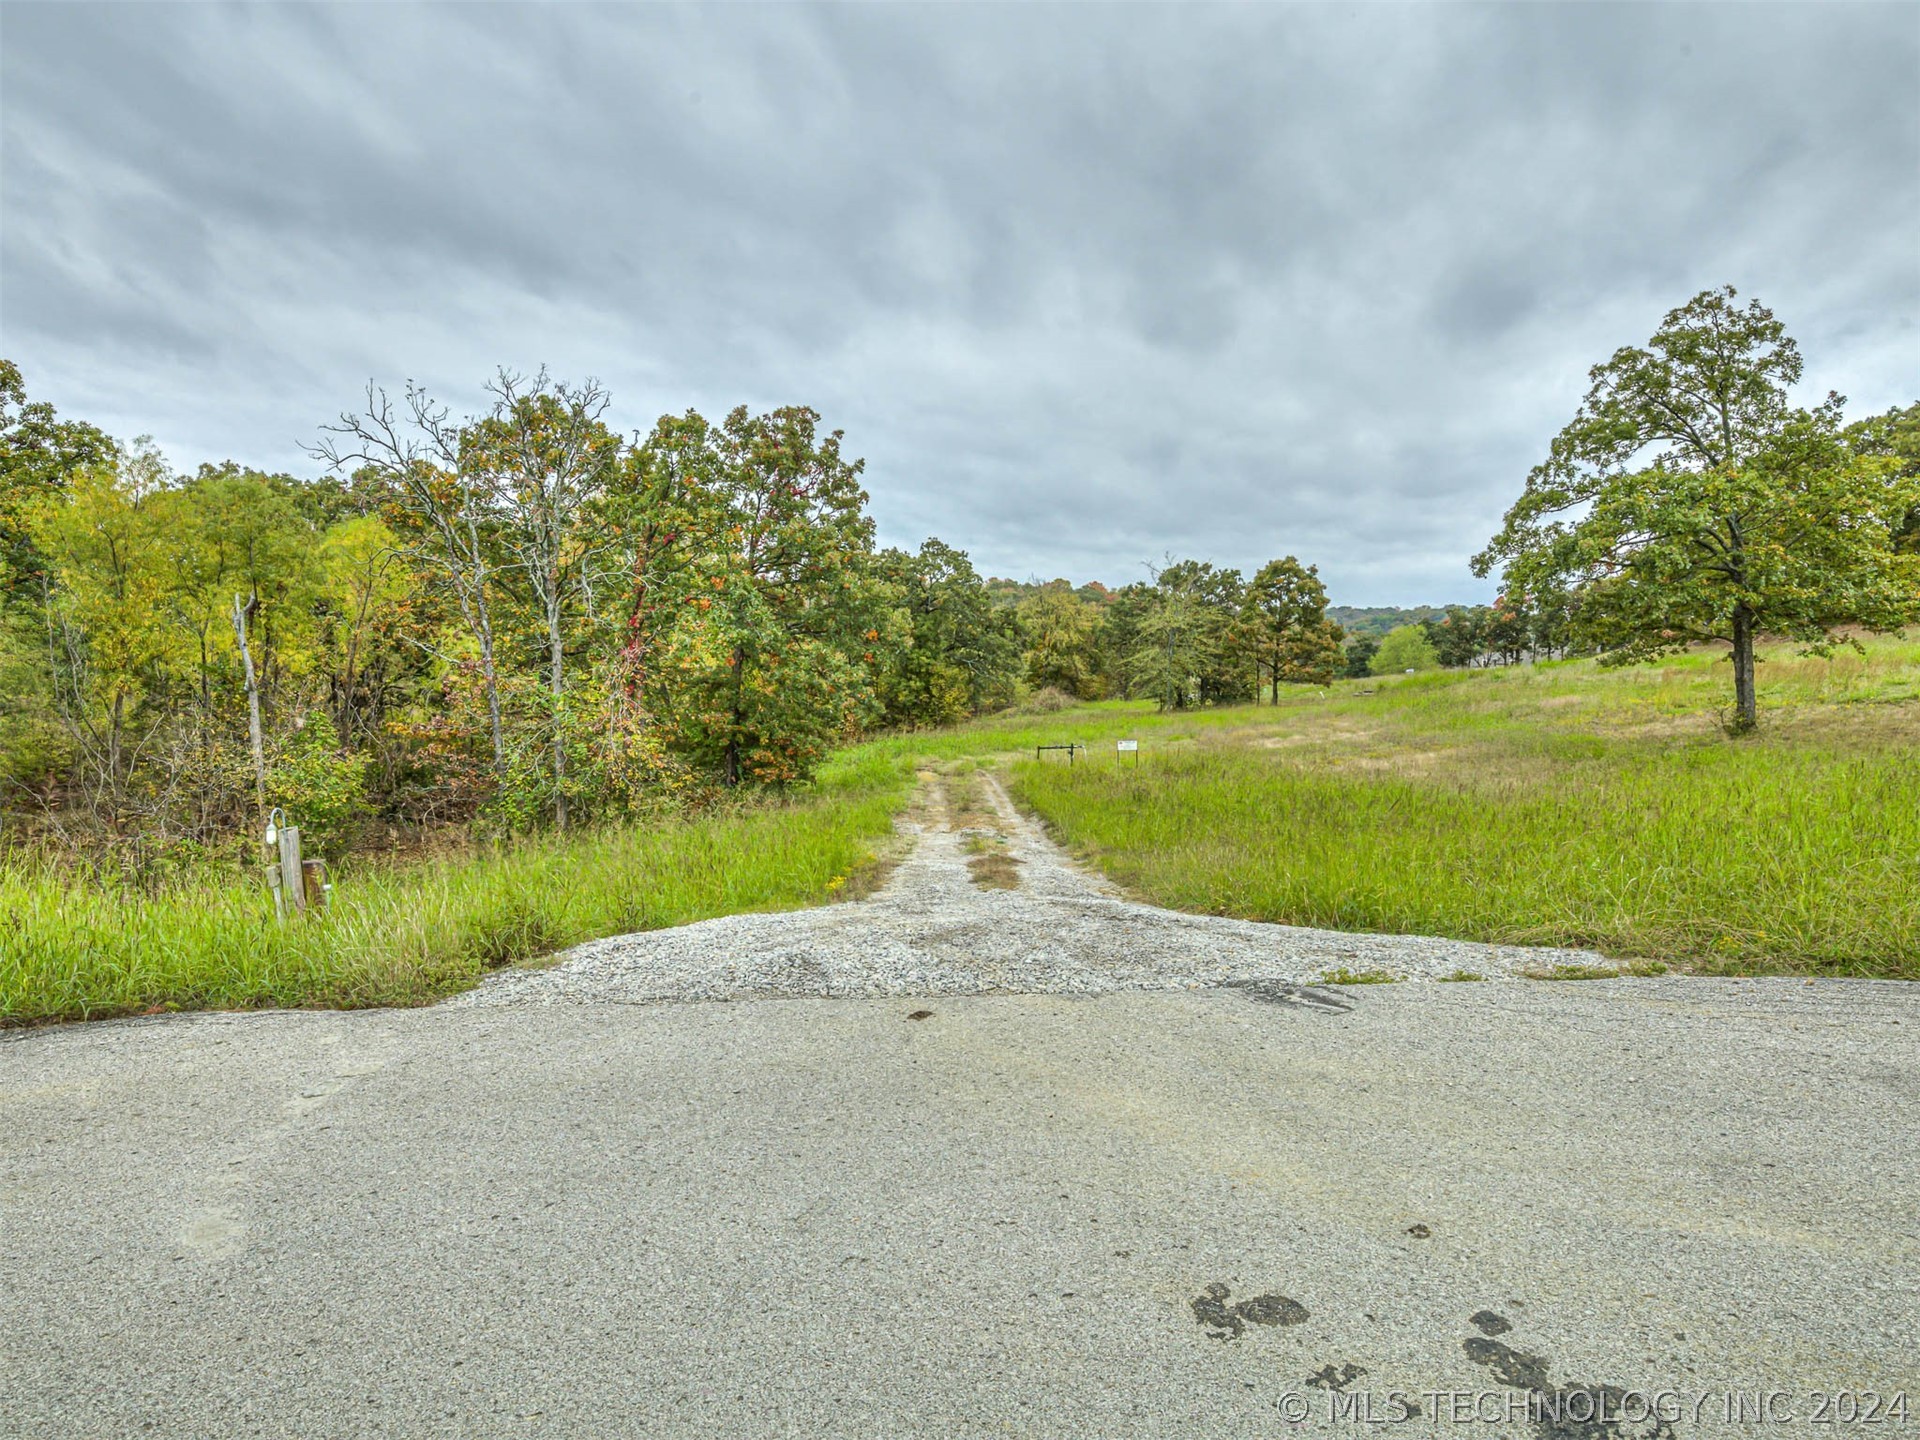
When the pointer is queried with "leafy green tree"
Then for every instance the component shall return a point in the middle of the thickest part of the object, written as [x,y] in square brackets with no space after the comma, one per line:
[1359,653]
[1177,644]
[447,512]
[778,645]
[1223,674]
[233,534]
[1404,648]
[662,516]
[1506,630]
[1313,654]
[1284,625]
[1547,612]
[107,618]
[964,653]
[1459,636]
[1061,647]
[365,603]
[545,455]
[319,782]
[1687,501]
[1894,436]
[1117,634]
[38,452]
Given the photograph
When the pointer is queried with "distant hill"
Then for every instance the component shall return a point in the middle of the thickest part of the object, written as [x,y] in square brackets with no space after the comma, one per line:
[1012,592]
[1377,620]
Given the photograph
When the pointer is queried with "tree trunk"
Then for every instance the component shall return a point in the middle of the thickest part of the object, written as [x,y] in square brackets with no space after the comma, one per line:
[559,726]
[1746,715]
[485,636]
[482,622]
[733,734]
[241,610]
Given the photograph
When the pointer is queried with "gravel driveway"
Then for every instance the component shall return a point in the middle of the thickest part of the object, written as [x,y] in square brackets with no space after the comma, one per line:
[1175,1190]
[934,931]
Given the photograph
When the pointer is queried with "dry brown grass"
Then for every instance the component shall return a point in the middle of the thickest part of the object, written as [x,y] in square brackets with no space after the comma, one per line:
[995,870]
[983,833]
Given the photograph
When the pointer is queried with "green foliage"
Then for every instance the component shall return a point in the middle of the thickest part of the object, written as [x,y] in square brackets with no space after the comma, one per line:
[963,653]
[1285,628]
[506,621]
[1175,643]
[1459,637]
[1061,649]
[1894,436]
[1376,620]
[1405,648]
[1798,541]
[1687,501]
[1221,672]
[773,656]
[38,451]
[1359,653]
[322,787]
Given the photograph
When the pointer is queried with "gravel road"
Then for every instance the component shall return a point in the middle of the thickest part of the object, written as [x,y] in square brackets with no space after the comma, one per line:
[933,931]
[1173,1189]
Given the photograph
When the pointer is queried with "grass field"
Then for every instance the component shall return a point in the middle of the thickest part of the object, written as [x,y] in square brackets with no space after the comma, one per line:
[1558,804]
[404,935]
[1555,804]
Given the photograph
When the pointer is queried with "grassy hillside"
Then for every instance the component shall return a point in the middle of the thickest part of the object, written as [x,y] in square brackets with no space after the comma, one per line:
[1553,804]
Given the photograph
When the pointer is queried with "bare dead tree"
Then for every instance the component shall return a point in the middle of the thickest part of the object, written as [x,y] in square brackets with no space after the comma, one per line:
[243,611]
[419,457]
[547,453]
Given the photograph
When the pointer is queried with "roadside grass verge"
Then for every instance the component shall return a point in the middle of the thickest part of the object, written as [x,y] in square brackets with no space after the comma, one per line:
[404,935]
[1556,804]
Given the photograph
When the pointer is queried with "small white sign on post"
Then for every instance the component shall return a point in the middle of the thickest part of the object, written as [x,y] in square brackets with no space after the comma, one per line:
[1126,745]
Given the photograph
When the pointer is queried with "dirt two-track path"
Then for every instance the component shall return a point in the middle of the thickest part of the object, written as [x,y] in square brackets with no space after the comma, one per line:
[1008,1158]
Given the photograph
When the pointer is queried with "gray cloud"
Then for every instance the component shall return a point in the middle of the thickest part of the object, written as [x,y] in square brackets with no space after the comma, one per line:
[1085,285]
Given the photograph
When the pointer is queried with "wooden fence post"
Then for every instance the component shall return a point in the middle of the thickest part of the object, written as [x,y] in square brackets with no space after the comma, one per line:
[293,880]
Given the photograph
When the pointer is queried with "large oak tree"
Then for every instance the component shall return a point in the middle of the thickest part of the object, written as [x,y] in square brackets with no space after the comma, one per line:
[1689,501]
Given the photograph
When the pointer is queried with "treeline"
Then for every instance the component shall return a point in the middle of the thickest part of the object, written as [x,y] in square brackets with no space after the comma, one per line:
[520,619]
[523,619]
[1459,637]
[1197,635]
[1194,635]
[1377,620]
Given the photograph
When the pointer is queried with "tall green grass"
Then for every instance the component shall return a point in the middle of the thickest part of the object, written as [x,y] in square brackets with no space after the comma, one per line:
[1554,804]
[405,935]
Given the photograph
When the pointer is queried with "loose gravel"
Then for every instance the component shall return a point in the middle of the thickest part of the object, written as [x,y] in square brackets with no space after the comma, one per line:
[933,931]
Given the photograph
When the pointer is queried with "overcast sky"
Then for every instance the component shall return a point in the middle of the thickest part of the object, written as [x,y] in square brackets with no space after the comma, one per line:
[1084,285]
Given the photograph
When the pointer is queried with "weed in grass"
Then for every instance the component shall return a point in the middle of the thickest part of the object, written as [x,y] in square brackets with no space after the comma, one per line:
[967,805]
[1464,975]
[990,866]
[1344,976]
